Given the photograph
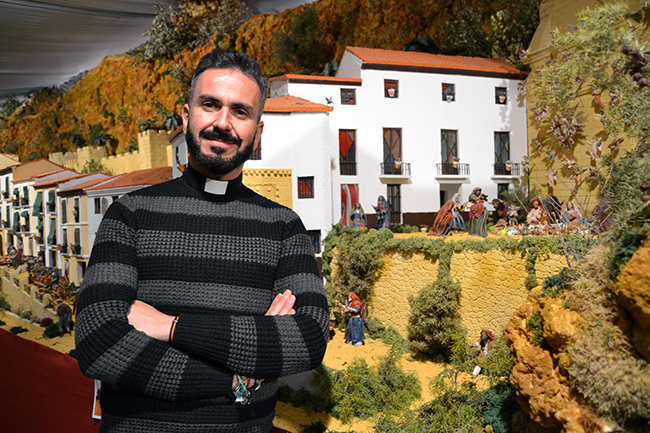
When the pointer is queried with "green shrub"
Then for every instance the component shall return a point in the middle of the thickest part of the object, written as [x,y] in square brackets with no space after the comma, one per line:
[4,305]
[390,335]
[555,285]
[25,314]
[399,228]
[17,330]
[52,331]
[536,326]
[435,318]
[364,391]
[315,427]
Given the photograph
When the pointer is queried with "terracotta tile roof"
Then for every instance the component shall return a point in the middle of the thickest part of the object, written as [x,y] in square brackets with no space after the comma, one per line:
[150,176]
[293,104]
[51,182]
[294,78]
[85,185]
[411,59]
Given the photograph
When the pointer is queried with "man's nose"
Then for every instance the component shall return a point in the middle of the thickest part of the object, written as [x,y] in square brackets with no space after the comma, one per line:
[222,120]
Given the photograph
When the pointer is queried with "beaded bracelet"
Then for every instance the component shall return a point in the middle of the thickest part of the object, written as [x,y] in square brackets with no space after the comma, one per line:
[172,329]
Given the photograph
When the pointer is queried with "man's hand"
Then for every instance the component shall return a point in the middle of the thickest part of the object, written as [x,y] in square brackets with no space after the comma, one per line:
[282,305]
[152,322]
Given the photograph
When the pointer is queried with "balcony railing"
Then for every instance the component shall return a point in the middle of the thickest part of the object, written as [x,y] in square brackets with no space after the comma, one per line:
[503,169]
[348,168]
[76,249]
[63,248]
[445,169]
[403,169]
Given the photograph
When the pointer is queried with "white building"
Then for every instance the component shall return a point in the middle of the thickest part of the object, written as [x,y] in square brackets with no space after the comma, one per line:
[416,128]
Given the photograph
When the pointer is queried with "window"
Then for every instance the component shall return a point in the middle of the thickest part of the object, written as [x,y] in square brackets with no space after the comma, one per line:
[77,236]
[449,151]
[392,151]
[448,92]
[75,209]
[394,198]
[501,188]
[98,205]
[64,211]
[391,89]
[257,151]
[347,152]
[501,95]
[501,153]
[314,235]
[306,187]
[348,96]
[64,235]
[104,205]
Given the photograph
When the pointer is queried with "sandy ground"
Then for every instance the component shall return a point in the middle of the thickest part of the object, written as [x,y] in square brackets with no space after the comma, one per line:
[338,356]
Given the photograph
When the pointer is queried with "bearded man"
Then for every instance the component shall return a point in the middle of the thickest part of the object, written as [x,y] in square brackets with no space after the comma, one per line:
[199,292]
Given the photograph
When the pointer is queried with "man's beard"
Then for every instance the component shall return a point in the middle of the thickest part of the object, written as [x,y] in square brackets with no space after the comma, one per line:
[215,163]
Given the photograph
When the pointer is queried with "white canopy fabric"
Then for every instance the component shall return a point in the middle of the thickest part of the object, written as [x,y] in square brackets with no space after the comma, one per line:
[49,42]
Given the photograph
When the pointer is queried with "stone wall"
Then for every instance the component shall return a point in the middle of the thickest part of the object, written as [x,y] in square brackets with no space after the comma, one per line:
[492,286]
[274,184]
[20,294]
[154,151]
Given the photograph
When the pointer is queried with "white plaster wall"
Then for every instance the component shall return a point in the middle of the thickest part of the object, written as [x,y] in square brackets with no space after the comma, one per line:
[299,141]
[421,114]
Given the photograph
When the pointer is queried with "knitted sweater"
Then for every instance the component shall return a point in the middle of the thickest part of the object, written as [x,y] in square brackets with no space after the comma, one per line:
[216,261]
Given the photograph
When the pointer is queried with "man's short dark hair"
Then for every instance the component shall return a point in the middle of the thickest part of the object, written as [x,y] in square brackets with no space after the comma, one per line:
[230,59]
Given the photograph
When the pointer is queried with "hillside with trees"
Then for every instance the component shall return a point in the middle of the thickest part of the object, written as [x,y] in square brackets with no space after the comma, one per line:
[146,87]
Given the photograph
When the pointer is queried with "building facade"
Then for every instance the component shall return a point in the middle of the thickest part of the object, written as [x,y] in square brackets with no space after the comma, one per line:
[416,128]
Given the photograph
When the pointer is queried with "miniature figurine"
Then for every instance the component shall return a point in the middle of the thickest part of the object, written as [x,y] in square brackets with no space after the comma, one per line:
[485,342]
[538,215]
[383,213]
[513,213]
[458,223]
[358,218]
[443,219]
[354,333]
[573,217]
[477,225]
[64,312]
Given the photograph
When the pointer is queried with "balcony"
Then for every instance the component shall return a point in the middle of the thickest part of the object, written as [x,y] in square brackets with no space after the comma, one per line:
[348,168]
[76,249]
[395,173]
[63,248]
[506,171]
[451,172]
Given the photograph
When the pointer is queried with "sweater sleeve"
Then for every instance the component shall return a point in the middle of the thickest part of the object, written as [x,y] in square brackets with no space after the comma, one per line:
[268,346]
[110,349]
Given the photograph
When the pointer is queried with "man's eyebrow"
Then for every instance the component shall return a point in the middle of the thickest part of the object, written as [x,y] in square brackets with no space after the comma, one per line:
[236,105]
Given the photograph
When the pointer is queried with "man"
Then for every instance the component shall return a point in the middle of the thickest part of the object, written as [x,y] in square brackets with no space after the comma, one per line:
[199,287]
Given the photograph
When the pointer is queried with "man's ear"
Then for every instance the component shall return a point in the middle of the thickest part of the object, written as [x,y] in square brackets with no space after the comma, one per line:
[185,115]
[258,134]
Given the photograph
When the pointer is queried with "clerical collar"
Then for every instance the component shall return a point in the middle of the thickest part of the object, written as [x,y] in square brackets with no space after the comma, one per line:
[202,183]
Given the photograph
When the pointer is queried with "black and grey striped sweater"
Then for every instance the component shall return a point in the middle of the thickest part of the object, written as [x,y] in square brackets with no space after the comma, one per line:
[217,261]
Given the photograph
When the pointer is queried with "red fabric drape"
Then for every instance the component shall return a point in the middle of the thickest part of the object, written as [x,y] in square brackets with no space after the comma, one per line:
[42,390]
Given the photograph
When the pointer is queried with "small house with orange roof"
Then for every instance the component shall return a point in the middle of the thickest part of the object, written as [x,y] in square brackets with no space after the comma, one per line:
[46,236]
[98,197]
[18,200]
[414,127]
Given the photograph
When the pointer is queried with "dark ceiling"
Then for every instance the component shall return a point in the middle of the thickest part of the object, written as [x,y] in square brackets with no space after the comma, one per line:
[47,43]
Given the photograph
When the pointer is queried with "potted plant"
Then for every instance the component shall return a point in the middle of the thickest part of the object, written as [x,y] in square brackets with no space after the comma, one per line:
[508,165]
[456,162]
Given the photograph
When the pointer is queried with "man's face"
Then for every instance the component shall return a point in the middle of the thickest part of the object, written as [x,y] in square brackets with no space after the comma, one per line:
[221,127]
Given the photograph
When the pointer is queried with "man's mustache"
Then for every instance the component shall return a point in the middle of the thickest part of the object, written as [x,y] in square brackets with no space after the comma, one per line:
[215,134]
